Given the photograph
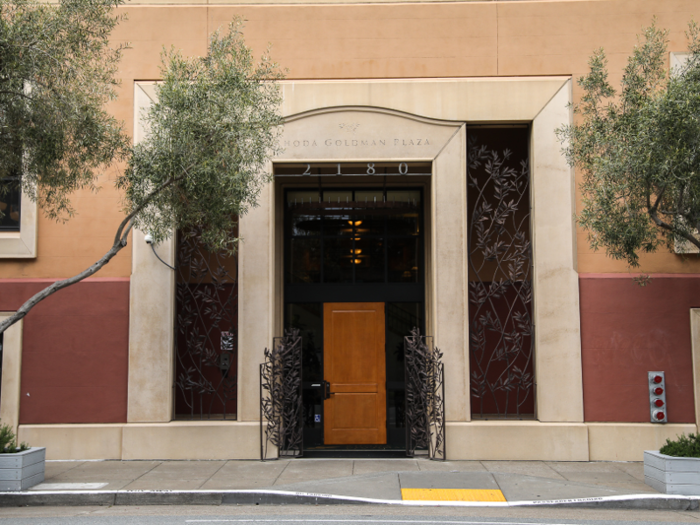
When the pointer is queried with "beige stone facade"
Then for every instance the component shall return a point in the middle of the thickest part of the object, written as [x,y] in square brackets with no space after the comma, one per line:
[396,71]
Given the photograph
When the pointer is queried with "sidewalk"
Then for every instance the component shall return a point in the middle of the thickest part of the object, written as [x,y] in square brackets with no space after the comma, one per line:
[362,481]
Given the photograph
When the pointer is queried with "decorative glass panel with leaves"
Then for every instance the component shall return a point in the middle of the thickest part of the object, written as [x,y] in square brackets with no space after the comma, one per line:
[501,342]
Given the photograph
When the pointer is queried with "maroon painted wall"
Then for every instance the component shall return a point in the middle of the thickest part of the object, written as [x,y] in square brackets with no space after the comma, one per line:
[628,330]
[74,350]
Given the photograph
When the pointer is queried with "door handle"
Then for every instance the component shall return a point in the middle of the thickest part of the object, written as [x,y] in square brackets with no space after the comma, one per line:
[327,390]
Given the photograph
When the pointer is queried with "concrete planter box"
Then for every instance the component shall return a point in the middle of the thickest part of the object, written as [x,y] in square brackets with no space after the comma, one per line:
[22,470]
[672,475]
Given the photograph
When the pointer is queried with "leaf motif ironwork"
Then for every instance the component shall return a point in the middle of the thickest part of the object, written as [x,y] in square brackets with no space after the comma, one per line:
[501,331]
[281,397]
[206,349]
[425,396]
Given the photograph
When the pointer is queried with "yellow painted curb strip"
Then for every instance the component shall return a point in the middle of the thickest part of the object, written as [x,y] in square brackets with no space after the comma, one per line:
[452,495]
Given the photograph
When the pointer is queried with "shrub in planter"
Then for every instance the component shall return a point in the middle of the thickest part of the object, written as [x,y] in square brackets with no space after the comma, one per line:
[675,469]
[21,466]
[8,442]
[683,447]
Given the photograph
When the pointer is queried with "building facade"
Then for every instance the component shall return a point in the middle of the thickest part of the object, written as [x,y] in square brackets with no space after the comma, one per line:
[421,185]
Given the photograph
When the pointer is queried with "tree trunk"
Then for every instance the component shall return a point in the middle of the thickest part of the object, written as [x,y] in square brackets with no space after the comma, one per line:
[119,243]
[23,310]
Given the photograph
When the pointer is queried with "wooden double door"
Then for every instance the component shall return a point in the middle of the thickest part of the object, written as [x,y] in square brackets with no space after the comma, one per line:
[355,374]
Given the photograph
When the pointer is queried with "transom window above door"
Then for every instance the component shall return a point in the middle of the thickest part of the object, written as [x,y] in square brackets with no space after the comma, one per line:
[352,236]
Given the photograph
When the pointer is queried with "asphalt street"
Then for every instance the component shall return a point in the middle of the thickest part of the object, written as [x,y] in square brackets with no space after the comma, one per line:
[335,515]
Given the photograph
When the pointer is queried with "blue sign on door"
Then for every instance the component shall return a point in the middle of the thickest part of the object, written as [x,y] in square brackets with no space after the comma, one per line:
[317,418]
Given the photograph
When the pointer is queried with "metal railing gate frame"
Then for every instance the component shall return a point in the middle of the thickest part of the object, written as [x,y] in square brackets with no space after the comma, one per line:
[425,396]
[281,397]
[281,408]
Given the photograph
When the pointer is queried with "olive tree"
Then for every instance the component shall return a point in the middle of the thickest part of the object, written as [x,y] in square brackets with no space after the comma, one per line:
[57,71]
[638,150]
[214,126]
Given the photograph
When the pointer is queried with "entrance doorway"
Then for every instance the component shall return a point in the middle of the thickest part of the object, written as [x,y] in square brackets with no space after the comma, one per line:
[355,374]
[354,288]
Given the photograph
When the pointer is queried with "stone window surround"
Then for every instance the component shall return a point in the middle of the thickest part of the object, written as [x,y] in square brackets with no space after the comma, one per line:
[21,244]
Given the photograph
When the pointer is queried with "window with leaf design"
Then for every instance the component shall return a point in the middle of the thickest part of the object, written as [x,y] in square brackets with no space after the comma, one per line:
[501,331]
[206,336]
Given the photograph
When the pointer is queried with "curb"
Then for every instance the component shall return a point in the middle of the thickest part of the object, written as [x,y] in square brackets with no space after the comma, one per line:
[280,497]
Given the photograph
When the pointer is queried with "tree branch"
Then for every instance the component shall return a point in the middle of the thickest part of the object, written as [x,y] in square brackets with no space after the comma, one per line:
[658,200]
[659,222]
[120,241]
[64,63]
[146,202]
[23,310]
[666,226]
[16,94]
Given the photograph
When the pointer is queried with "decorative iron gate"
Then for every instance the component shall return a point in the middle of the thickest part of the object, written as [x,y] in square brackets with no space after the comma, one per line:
[281,397]
[425,396]
[206,336]
[501,332]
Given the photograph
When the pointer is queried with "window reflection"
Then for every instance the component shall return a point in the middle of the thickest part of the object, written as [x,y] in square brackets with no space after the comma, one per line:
[304,261]
[403,224]
[10,198]
[337,225]
[354,236]
[403,260]
[337,260]
[369,261]
[306,225]
[369,224]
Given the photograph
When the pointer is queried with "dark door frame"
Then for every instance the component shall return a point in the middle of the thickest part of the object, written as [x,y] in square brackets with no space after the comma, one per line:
[361,292]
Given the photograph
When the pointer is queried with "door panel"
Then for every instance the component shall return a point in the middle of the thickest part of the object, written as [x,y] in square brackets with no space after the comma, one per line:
[354,365]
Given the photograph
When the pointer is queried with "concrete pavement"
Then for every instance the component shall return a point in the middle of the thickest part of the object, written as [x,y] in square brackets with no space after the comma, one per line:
[343,481]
